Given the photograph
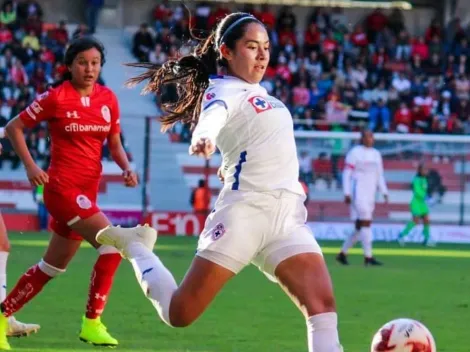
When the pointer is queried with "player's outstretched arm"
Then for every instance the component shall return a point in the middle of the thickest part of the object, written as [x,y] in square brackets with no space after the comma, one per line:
[14,130]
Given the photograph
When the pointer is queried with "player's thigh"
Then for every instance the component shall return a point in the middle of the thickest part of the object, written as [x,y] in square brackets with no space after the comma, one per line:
[363,211]
[200,286]
[234,232]
[290,235]
[306,279]
[75,214]
[60,251]
[4,243]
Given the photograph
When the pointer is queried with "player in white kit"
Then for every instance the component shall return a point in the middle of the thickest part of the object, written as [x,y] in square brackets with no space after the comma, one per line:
[363,175]
[259,216]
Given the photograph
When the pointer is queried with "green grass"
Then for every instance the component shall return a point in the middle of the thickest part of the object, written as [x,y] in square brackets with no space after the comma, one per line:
[252,314]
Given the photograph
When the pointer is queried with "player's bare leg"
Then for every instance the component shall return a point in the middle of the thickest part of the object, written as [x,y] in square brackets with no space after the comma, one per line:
[366,239]
[15,328]
[93,331]
[348,244]
[306,280]
[177,306]
[409,226]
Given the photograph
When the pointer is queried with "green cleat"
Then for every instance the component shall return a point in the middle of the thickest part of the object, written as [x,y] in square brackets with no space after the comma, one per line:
[4,345]
[94,332]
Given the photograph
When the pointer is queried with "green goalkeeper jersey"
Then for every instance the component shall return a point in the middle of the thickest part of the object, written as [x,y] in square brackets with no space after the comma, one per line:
[418,204]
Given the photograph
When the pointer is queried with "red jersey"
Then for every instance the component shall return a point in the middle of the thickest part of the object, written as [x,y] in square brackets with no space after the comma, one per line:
[78,127]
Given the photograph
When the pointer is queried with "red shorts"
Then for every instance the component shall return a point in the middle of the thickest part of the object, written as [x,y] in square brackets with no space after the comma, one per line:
[69,206]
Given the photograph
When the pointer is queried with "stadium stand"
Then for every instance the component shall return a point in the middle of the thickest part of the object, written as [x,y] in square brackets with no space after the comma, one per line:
[340,77]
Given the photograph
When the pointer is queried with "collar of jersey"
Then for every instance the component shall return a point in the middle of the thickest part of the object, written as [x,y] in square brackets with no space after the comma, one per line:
[232,81]
[72,89]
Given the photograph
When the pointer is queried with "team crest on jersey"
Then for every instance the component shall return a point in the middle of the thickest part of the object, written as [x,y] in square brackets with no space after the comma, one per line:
[106,113]
[83,202]
[260,104]
[218,231]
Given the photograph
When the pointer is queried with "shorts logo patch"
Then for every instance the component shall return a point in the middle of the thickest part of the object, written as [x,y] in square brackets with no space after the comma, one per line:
[218,231]
[260,104]
[83,202]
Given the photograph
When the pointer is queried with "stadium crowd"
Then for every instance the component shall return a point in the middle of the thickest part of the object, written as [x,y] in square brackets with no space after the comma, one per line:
[336,76]
[31,53]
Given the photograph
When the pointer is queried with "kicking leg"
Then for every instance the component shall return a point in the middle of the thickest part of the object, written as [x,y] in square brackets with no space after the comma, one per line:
[306,280]
[177,306]
[406,231]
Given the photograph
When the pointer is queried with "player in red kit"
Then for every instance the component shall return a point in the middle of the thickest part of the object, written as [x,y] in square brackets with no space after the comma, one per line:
[81,115]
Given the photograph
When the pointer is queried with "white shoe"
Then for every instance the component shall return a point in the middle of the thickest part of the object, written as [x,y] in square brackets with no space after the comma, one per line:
[120,237]
[18,329]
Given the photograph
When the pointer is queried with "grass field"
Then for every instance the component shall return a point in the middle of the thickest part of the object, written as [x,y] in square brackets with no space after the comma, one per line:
[252,314]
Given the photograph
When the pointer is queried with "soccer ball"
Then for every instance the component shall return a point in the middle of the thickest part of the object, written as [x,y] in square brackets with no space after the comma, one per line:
[403,335]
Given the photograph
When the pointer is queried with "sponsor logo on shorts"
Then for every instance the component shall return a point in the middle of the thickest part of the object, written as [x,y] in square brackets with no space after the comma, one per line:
[83,202]
[218,231]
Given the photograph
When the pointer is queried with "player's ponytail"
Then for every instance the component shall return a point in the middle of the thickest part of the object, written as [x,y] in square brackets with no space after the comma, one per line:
[191,73]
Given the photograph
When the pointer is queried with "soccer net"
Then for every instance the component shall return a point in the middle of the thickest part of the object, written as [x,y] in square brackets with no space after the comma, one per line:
[321,157]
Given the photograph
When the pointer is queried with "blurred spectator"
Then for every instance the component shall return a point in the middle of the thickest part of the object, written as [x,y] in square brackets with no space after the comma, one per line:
[93,13]
[142,43]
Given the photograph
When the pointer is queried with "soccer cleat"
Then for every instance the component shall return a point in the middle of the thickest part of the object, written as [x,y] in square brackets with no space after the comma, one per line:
[4,345]
[342,258]
[372,261]
[95,333]
[120,238]
[18,329]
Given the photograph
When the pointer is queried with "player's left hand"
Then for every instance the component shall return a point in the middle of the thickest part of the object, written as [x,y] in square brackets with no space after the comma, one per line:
[130,178]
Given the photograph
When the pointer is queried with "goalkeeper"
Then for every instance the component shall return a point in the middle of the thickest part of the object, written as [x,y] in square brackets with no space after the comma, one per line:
[419,207]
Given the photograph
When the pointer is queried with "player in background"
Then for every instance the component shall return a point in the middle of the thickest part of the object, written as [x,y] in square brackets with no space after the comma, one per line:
[15,327]
[80,115]
[418,207]
[363,175]
[259,216]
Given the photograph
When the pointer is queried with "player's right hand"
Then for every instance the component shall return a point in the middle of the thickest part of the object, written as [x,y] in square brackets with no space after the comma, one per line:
[203,147]
[347,199]
[36,175]
[220,175]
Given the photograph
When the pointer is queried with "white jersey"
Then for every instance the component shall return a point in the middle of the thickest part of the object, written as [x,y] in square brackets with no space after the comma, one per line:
[254,133]
[363,174]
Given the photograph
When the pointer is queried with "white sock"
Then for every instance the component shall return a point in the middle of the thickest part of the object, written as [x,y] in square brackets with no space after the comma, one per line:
[322,332]
[155,279]
[3,275]
[350,241]
[366,238]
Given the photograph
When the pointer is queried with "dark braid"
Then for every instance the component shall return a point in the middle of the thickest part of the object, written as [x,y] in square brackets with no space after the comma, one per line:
[190,73]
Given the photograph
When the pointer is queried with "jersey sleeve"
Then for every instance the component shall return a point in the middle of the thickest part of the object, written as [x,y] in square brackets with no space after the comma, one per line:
[211,121]
[115,116]
[41,109]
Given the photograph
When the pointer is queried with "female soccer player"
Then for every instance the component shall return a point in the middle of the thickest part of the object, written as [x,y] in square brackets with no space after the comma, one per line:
[418,207]
[81,115]
[15,328]
[259,216]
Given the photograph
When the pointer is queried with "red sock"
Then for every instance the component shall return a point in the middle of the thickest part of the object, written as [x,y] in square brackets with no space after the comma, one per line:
[28,286]
[101,283]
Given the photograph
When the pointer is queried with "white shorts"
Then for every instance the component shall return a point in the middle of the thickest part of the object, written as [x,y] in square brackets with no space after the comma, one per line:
[263,228]
[362,209]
